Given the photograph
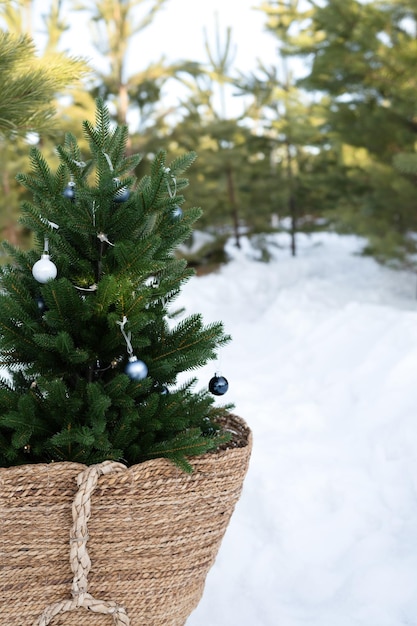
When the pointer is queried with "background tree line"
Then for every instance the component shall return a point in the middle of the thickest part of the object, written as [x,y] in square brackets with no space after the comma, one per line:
[335,147]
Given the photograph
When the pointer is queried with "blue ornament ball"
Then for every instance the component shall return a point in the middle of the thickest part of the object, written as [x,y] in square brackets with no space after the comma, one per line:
[122,194]
[69,191]
[41,304]
[136,369]
[218,385]
[177,212]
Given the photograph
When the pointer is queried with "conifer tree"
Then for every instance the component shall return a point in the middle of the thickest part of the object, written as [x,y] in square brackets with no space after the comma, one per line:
[92,348]
[31,82]
[362,56]
[220,139]
[287,119]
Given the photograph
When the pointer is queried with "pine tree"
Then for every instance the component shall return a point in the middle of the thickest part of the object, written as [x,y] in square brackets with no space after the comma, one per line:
[220,140]
[87,334]
[31,82]
[287,119]
[362,56]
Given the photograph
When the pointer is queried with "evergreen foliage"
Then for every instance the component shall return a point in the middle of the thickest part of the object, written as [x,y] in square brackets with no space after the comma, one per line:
[32,83]
[362,66]
[29,83]
[65,343]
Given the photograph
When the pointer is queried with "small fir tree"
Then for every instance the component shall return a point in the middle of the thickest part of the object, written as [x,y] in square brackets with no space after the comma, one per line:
[87,337]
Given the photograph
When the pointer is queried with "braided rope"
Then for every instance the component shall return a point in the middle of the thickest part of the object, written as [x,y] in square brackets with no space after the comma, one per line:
[79,558]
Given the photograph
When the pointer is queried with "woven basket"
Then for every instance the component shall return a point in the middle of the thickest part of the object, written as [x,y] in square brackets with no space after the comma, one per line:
[153,534]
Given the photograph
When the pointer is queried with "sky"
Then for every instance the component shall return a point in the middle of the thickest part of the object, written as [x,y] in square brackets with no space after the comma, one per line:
[182,24]
[177,32]
[322,367]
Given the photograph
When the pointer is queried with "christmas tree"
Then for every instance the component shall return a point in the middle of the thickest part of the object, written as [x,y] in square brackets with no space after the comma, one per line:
[89,342]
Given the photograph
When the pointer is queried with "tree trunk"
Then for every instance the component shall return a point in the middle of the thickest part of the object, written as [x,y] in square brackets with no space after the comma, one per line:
[123,104]
[292,208]
[233,203]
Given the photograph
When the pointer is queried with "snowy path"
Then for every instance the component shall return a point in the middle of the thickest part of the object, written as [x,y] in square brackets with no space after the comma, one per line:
[323,367]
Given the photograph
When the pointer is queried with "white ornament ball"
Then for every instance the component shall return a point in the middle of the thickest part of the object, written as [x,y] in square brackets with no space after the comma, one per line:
[44,269]
[136,369]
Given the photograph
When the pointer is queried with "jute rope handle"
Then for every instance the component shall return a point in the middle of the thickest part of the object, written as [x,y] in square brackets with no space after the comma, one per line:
[79,558]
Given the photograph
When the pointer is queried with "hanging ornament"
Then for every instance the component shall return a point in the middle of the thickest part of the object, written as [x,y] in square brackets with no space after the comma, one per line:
[218,385]
[69,191]
[135,368]
[122,194]
[177,212]
[44,269]
[42,308]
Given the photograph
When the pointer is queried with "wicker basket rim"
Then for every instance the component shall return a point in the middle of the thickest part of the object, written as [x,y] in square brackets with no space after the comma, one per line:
[233,423]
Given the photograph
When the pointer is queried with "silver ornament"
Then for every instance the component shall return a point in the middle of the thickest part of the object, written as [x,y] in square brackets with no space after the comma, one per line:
[136,369]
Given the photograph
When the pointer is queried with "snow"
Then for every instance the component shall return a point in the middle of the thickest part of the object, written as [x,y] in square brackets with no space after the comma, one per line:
[323,367]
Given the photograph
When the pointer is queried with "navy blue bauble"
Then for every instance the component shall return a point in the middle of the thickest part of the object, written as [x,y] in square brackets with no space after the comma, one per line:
[41,304]
[136,369]
[122,194]
[69,191]
[218,385]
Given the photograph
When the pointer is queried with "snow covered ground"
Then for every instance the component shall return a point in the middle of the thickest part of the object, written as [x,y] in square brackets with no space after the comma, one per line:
[323,367]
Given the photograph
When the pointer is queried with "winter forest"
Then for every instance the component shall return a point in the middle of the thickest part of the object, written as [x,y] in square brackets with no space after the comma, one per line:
[306,249]
[331,145]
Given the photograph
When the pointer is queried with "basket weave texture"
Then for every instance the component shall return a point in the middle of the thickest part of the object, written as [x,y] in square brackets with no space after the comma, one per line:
[153,535]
